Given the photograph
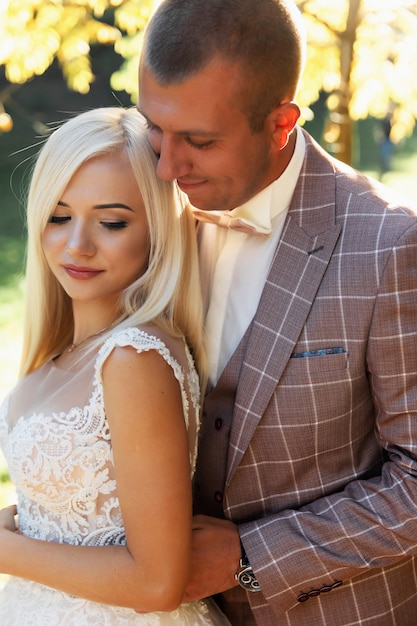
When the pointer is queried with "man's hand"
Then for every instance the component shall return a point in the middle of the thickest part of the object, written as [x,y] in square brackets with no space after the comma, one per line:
[215,557]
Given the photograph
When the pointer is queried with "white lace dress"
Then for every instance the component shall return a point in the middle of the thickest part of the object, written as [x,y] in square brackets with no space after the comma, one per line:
[55,438]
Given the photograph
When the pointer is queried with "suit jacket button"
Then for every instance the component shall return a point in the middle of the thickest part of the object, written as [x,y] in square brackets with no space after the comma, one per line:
[313,593]
[218,496]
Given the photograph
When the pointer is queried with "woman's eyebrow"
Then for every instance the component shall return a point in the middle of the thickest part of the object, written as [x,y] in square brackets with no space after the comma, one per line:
[107,205]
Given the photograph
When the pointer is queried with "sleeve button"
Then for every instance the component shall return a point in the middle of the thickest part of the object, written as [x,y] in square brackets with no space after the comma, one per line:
[303,597]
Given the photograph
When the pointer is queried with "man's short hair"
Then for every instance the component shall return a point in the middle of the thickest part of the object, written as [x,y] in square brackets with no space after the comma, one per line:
[263,38]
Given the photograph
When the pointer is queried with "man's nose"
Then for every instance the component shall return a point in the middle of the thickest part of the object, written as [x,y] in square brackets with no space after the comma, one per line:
[172,161]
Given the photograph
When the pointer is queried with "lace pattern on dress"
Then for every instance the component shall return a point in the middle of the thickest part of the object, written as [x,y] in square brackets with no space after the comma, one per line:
[30,604]
[62,465]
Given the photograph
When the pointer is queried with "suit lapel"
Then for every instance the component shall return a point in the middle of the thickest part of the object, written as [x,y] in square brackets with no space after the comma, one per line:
[303,253]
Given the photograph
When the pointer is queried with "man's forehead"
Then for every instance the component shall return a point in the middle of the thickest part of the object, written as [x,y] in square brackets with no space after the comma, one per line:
[214,84]
[177,126]
[169,115]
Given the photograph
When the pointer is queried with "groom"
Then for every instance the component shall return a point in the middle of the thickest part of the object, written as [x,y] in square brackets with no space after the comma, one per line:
[307,475]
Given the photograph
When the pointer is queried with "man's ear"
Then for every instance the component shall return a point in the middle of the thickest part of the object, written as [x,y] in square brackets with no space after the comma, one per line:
[282,121]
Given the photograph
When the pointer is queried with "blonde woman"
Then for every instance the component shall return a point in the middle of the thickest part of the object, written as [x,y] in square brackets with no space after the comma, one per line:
[100,432]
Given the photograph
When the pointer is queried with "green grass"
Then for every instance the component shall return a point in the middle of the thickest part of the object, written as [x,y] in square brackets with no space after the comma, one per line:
[10,339]
[10,334]
[402,177]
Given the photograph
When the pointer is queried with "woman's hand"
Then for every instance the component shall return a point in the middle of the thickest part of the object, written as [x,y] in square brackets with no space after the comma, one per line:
[7,518]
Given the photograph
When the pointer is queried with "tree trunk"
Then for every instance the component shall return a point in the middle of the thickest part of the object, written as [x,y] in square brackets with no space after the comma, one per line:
[340,125]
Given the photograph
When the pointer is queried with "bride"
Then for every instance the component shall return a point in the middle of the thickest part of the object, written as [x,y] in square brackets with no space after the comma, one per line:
[100,433]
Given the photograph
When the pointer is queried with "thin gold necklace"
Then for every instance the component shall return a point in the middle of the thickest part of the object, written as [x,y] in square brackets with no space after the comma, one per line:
[73,346]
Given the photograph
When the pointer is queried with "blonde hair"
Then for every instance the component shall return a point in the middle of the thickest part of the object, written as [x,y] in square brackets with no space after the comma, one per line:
[168,293]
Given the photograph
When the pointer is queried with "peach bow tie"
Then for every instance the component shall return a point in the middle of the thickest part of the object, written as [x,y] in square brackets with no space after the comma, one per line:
[234,222]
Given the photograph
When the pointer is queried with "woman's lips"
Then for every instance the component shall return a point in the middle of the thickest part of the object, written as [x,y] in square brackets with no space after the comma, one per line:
[81,273]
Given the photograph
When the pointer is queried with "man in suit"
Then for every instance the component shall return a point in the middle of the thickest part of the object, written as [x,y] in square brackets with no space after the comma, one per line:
[306,484]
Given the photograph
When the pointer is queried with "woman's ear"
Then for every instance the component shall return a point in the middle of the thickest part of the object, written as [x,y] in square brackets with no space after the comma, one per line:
[282,121]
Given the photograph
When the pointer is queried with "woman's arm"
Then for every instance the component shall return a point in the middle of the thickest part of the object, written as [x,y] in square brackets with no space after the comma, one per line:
[149,440]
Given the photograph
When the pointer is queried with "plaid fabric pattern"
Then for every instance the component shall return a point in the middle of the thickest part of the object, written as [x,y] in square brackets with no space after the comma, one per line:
[322,464]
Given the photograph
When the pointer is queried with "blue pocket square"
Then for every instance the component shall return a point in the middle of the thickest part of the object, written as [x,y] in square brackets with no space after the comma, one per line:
[319,352]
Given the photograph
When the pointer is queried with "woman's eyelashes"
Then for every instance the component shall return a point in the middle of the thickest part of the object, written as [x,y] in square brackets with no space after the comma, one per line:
[114,225]
[59,219]
[110,225]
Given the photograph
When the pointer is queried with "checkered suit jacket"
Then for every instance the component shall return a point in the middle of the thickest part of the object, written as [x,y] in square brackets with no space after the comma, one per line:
[322,463]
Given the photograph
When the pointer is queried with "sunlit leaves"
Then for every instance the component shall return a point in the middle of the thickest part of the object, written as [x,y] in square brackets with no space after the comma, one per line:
[6,122]
[131,17]
[33,33]
[383,79]
[126,78]
[331,13]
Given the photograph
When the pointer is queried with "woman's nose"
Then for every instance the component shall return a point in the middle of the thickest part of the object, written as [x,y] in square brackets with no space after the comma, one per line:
[80,241]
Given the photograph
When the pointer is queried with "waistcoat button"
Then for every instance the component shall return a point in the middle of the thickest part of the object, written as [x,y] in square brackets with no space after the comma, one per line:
[218,496]
[218,423]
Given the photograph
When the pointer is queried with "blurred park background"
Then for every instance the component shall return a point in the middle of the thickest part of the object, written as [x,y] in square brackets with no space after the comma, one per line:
[60,57]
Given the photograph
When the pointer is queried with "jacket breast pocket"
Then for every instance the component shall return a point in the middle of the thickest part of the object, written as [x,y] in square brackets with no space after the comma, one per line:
[320,360]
